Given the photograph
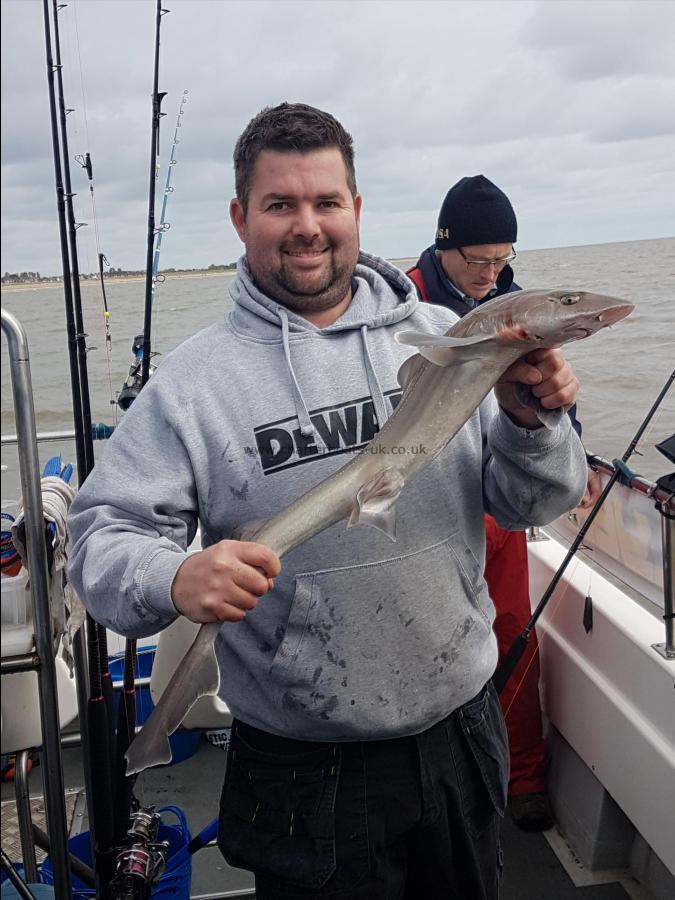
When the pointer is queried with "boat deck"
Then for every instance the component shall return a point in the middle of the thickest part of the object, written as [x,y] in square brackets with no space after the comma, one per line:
[532,870]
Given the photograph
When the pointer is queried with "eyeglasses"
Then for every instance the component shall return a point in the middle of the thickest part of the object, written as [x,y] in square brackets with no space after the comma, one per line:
[473,265]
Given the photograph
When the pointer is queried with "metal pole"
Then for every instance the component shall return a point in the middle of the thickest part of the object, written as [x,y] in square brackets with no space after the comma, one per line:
[22,890]
[26,662]
[668,544]
[77,867]
[29,466]
[99,432]
[25,817]
[65,435]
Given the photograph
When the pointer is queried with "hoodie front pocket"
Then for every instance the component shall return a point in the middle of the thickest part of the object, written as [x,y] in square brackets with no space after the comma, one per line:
[364,644]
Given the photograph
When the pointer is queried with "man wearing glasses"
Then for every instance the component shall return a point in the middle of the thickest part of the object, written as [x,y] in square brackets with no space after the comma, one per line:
[468,264]
[469,261]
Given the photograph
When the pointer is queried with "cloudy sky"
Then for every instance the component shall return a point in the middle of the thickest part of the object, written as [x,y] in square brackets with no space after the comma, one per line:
[568,106]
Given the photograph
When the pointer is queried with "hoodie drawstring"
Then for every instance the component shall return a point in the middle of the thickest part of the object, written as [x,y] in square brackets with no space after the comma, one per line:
[373,383]
[304,419]
[306,427]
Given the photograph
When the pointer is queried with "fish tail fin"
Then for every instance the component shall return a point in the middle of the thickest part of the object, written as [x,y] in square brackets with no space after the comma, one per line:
[150,747]
[196,676]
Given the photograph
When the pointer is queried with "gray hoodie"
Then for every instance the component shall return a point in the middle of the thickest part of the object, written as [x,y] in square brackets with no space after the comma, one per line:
[361,638]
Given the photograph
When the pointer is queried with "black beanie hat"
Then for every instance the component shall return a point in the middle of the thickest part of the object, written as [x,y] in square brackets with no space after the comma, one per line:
[475,211]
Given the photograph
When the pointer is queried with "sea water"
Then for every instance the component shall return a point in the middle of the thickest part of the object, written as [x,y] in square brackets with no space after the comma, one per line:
[621,371]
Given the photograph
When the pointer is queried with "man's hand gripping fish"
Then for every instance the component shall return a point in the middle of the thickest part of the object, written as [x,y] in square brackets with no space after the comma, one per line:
[443,383]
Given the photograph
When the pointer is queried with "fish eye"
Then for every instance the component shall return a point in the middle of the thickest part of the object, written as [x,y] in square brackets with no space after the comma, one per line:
[569,299]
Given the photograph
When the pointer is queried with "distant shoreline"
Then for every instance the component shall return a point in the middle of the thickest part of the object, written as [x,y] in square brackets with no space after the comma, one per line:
[109,282]
[126,279]
[407,261]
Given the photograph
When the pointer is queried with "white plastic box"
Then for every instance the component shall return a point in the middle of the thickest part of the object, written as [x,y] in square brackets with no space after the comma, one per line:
[17,615]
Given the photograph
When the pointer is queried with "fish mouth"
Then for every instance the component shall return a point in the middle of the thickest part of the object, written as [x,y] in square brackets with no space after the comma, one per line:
[578,332]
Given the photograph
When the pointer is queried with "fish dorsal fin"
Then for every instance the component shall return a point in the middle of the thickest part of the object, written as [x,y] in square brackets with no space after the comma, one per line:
[376,502]
[409,369]
[443,350]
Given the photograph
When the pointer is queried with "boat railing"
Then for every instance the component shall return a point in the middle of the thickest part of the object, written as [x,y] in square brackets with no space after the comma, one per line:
[637,483]
[645,582]
[99,432]
[43,661]
[664,501]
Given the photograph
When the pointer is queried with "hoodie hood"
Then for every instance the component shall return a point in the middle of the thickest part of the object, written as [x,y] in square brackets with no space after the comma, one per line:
[381,295]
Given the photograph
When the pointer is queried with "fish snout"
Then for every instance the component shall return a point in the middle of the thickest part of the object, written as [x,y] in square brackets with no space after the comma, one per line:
[603,316]
[614,314]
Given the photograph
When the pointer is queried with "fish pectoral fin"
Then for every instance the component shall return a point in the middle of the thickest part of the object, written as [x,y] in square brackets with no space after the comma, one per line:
[444,350]
[409,370]
[376,502]
[550,418]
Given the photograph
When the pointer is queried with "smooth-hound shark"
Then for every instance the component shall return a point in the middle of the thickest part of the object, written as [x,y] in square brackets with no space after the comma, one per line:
[443,383]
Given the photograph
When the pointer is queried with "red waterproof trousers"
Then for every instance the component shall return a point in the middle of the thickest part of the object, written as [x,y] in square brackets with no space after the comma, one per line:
[506,574]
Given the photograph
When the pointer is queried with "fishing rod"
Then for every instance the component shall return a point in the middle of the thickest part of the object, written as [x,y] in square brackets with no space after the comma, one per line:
[126,721]
[91,701]
[86,163]
[134,382]
[79,650]
[157,98]
[79,319]
[519,646]
[80,449]
[101,660]
[102,261]
[80,335]
[168,189]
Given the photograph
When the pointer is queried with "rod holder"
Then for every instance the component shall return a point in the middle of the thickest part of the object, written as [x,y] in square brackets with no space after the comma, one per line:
[535,534]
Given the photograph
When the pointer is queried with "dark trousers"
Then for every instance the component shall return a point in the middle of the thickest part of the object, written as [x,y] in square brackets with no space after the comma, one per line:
[414,818]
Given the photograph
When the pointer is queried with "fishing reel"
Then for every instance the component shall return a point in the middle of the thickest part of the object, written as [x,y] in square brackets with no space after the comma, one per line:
[138,866]
[133,384]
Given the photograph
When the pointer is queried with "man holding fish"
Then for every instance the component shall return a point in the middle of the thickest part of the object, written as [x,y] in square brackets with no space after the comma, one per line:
[368,754]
